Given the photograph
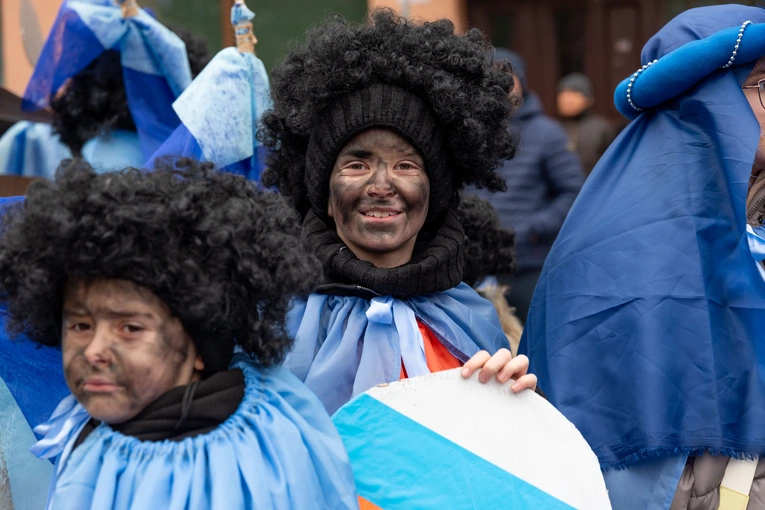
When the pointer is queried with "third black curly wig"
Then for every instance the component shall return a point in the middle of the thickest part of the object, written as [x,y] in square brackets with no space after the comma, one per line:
[469,96]
[488,247]
[223,255]
[94,100]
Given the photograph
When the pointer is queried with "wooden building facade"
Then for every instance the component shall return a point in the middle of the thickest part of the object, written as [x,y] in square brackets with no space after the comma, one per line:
[600,38]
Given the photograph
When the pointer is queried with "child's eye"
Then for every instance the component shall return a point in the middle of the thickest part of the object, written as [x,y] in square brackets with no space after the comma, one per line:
[80,327]
[132,328]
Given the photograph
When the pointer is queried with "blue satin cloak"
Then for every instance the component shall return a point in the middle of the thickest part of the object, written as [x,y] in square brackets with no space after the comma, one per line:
[646,328]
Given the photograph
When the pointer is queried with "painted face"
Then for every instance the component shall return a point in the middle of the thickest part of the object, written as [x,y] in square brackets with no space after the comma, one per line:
[571,103]
[378,197]
[122,349]
[757,74]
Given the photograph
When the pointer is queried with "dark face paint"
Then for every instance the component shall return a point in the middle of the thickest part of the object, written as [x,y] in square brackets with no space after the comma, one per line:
[122,349]
[378,197]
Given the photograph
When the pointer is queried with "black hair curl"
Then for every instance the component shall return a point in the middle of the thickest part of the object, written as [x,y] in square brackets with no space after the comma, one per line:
[224,255]
[469,95]
[488,247]
[94,101]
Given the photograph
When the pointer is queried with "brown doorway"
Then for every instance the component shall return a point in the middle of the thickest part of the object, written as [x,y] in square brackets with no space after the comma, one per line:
[601,38]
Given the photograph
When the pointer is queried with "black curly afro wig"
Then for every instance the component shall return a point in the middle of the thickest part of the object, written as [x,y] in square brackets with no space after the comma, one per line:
[469,96]
[488,247]
[223,255]
[94,101]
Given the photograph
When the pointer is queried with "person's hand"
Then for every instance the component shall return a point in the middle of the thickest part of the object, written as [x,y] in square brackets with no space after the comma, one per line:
[504,366]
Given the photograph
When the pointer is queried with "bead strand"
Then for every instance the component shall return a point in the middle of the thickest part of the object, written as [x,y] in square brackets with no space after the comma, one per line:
[738,43]
[632,82]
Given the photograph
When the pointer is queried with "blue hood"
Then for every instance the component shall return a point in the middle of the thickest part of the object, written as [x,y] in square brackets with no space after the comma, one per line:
[647,327]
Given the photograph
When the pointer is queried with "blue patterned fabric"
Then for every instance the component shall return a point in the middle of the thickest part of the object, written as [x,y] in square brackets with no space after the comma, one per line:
[279,450]
[154,63]
[646,327]
[345,345]
[221,110]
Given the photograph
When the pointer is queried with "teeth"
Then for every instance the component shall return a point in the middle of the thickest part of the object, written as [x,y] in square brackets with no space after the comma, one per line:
[379,214]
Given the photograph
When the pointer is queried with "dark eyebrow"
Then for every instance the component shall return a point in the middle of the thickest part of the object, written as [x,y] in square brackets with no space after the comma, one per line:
[409,151]
[110,314]
[74,312]
[358,153]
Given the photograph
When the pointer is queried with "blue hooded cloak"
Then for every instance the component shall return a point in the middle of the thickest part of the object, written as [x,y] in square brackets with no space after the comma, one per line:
[646,328]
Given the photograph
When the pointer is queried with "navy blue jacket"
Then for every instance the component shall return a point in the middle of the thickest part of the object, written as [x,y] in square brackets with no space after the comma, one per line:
[543,179]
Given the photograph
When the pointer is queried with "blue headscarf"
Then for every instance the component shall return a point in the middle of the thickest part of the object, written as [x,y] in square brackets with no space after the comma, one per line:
[155,66]
[221,110]
[646,328]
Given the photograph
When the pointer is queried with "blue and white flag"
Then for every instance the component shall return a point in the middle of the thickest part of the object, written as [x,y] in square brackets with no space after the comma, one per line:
[221,110]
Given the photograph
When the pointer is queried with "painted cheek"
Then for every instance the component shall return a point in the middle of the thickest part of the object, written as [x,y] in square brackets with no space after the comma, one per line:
[344,197]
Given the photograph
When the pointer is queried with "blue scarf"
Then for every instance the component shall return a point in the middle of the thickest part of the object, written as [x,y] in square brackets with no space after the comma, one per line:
[646,328]
[345,345]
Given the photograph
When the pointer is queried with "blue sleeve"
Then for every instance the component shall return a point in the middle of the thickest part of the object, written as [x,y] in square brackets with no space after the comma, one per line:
[565,178]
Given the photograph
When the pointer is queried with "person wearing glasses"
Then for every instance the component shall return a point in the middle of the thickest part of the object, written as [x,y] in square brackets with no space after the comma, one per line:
[754,90]
[655,282]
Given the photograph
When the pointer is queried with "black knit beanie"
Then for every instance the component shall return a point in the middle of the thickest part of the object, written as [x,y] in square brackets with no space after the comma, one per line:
[378,106]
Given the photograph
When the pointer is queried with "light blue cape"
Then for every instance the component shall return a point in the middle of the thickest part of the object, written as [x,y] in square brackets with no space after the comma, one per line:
[279,450]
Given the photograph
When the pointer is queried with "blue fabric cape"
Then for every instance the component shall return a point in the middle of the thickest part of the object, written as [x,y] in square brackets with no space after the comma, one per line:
[345,346]
[279,450]
[155,65]
[646,328]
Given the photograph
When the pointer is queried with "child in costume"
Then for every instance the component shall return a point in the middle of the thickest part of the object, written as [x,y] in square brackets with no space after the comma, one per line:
[646,328]
[167,293]
[111,97]
[375,128]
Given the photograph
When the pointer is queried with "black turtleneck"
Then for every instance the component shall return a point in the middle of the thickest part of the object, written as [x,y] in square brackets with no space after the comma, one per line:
[436,264]
[185,411]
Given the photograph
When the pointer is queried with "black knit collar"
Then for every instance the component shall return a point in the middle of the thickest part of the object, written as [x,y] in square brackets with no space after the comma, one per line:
[435,267]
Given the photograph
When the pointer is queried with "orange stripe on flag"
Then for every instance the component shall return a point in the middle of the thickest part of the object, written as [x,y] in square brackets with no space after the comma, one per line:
[366,505]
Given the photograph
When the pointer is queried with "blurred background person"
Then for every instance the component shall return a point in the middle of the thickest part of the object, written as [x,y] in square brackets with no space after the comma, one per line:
[589,134]
[543,179]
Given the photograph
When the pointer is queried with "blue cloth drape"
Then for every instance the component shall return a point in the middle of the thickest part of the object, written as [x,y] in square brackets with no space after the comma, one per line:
[646,328]
[345,345]
[220,113]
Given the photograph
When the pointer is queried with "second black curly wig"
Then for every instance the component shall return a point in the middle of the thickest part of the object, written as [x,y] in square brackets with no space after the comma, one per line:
[223,255]
[469,96]
[94,101]
[488,247]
